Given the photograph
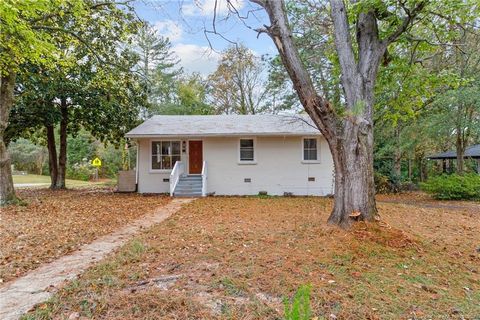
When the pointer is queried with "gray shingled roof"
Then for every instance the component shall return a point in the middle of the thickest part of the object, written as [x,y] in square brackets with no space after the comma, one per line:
[470,152]
[224,125]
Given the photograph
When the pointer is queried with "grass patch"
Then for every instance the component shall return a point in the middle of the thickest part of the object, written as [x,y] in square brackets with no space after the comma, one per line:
[45,180]
[132,252]
[232,288]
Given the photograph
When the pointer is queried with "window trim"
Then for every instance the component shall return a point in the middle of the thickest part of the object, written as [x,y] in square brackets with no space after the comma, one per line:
[151,155]
[247,162]
[302,150]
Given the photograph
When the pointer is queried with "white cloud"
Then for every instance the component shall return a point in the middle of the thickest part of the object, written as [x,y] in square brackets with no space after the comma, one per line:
[169,29]
[207,7]
[194,58]
[190,9]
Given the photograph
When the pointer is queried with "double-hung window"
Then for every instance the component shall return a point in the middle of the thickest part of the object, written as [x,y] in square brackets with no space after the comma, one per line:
[165,154]
[310,149]
[247,150]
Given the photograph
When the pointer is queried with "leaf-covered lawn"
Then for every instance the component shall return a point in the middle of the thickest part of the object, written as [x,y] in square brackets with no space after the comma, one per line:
[54,223]
[237,258]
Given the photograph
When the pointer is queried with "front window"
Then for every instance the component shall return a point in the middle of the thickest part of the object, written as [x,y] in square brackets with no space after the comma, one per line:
[310,152]
[165,154]
[247,150]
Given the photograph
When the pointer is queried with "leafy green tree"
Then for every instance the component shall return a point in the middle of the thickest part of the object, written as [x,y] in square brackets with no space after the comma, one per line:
[457,107]
[458,118]
[22,40]
[190,98]
[115,158]
[237,86]
[30,30]
[424,93]
[92,87]
[158,67]
[106,103]
[81,147]
[405,91]
[27,156]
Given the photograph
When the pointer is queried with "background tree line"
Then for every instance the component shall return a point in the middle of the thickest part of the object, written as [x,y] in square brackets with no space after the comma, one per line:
[427,90]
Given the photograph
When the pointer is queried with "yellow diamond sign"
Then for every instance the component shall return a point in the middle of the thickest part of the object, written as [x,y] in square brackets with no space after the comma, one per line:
[96,162]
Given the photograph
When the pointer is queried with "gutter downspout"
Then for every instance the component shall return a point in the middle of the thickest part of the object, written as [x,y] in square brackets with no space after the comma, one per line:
[136,163]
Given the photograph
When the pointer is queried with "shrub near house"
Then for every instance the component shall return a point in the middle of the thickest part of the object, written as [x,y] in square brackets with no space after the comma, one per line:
[81,171]
[454,187]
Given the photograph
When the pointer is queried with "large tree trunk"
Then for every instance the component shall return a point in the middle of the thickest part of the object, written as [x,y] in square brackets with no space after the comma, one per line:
[350,133]
[62,159]
[350,137]
[7,191]
[354,143]
[52,156]
[354,183]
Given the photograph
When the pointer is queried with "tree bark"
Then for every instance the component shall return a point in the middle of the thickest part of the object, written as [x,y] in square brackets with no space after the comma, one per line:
[350,137]
[410,169]
[354,183]
[397,155]
[422,166]
[40,159]
[7,191]
[350,134]
[62,159]
[52,156]
[460,146]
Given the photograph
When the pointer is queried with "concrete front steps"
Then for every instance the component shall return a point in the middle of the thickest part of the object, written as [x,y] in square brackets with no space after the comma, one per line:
[189,186]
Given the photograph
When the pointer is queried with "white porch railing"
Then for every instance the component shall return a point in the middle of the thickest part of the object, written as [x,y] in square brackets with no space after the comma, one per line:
[204,179]
[177,171]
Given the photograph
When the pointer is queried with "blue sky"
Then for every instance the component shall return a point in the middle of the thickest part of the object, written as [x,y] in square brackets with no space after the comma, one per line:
[184,22]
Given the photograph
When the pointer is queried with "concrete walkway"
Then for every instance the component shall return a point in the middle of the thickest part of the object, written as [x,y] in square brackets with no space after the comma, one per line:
[20,295]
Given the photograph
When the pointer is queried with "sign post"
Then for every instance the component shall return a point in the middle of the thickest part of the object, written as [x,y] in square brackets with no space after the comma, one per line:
[97,163]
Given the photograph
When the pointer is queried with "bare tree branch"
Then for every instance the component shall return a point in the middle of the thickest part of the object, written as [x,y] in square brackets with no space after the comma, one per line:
[316,106]
[411,15]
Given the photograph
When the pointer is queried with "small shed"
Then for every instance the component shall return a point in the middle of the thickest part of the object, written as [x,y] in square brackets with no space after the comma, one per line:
[472,152]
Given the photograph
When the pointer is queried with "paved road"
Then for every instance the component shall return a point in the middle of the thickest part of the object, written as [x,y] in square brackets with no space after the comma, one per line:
[26,185]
